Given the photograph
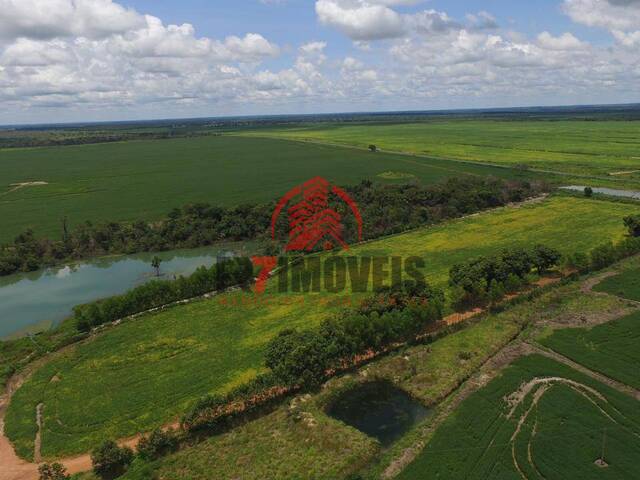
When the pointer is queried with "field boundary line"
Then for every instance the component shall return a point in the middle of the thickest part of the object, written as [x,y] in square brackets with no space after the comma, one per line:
[595,375]
[429,157]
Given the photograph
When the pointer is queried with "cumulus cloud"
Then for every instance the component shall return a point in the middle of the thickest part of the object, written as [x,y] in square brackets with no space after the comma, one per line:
[361,20]
[97,52]
[366,20]
[49,19]
[566,41]
[76,56]
[620,17]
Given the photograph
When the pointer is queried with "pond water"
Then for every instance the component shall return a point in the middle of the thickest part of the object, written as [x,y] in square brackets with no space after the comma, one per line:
[378,409]
[605,191]
[36,301]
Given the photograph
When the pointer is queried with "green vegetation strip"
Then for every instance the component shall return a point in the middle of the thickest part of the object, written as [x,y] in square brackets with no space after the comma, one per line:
[147,372]
[560,434]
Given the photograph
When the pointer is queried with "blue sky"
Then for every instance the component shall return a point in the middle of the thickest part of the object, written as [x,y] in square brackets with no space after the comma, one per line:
[62,60]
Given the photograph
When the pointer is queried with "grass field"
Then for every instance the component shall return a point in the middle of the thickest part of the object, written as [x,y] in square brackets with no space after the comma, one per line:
[146,179]
[562,425]
[277,447]
[611,348]
[146,372]
[626,284]
[572,146]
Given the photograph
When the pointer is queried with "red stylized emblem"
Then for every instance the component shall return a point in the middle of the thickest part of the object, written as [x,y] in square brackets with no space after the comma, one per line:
[311,220]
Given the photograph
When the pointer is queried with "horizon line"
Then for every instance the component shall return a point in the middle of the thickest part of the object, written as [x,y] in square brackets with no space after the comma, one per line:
[88,123]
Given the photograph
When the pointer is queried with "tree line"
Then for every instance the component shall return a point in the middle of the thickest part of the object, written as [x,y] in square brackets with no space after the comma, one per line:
[488,279]
[304,359]
[386,209]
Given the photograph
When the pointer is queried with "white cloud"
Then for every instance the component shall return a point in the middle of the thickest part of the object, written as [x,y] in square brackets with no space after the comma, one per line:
[96,52]
[361,20]
[82,62]
[566,41]
[620,15]
[48,19]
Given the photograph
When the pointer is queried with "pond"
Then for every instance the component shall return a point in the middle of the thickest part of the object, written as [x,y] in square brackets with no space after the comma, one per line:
[605,191]
[378,409]
[36,301]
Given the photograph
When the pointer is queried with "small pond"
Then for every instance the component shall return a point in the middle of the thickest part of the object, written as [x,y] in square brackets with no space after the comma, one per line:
[378,409]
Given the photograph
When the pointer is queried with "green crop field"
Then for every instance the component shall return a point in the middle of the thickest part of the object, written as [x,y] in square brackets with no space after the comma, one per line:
[154,367]
[146,179]
[283,448]
[562,422]
[572,146]
[626,284]
[610,348]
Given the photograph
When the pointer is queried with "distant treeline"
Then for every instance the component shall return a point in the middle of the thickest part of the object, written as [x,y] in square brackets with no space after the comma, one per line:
[237,271]
[87,137]
[386,209]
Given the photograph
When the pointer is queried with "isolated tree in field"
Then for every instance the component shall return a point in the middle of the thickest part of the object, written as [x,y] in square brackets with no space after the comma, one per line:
[373,148]
[53,471]
[588,192]
[155,263]
[109,460]
[632,222]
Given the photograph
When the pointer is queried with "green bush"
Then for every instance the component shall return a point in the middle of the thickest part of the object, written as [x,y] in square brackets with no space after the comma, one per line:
[157,443]
[54,471]
[109,460]
[486,279]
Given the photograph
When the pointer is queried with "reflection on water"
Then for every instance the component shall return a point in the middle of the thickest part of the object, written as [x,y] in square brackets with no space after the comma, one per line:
[35,301]
[378,409]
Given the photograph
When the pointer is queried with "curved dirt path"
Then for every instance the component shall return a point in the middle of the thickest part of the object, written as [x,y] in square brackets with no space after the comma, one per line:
[590,283]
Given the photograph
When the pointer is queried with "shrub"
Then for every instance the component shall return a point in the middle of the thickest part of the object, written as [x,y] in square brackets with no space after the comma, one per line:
[157,443]
[578,261]
[54,471]
[513,283]
[109,460]
[632,223]
[588,192]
